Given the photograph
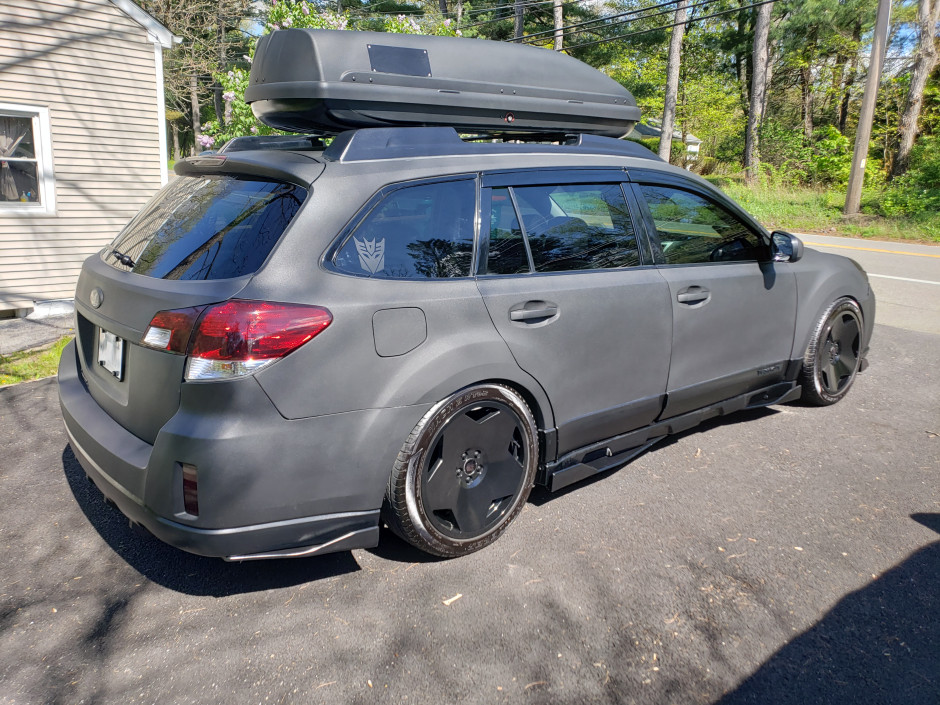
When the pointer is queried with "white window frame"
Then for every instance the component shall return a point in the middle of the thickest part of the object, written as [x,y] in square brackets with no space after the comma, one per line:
[42,141]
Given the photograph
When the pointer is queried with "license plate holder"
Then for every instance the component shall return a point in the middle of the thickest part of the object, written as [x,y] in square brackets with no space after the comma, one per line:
[111,353]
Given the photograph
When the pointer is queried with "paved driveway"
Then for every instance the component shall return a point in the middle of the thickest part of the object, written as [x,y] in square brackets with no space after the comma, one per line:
[790,556]
[787,555]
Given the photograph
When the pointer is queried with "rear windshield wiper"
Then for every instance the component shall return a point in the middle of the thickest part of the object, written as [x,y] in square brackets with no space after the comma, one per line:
[122,258]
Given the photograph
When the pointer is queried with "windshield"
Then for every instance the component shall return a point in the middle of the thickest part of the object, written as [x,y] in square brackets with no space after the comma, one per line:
[206,227]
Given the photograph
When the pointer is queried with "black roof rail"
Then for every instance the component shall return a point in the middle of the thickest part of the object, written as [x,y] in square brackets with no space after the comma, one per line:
[408,142]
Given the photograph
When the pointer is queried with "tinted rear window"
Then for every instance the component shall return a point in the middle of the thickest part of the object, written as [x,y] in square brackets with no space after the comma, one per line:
[215,227]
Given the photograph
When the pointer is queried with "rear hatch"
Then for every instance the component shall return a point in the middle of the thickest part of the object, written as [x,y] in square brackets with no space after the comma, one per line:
[197,242]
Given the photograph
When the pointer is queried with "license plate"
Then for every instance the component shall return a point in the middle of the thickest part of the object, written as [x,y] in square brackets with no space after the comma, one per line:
[111,353]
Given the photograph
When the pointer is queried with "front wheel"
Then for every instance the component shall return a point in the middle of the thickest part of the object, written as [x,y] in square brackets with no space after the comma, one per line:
[833,356]
[465,471]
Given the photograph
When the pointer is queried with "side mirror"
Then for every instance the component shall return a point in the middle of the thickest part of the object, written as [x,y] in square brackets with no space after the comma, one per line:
[786,247]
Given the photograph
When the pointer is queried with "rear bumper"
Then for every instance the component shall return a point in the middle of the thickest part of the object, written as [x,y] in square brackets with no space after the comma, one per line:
[268,485]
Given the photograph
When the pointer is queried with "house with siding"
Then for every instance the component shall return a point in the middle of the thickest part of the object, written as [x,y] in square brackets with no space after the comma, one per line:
[82,137]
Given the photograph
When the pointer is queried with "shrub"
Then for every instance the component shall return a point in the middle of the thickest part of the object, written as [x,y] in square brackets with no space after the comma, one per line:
[918,190]
[831,159]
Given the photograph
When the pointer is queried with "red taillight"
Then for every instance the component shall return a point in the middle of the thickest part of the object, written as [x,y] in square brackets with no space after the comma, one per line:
[255,330]
[235,337]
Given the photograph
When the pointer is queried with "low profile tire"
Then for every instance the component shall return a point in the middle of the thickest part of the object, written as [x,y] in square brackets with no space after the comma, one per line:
[832,358]
[465,472]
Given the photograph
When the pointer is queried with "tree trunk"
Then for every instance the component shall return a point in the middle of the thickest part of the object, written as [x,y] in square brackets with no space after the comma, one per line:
[755,114]
[217,101]
[850,77]
[194,97]
[517,28]
[672,81]
[806,86]
[176,141]
[459,11]
[925,59]
[740,61]
[559,24]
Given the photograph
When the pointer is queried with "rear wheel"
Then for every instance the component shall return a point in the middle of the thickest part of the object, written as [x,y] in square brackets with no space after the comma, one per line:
[832,358]
[465,471]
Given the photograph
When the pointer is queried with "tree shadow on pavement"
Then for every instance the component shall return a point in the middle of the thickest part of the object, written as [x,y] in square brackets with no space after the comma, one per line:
[880,644]
[185,572]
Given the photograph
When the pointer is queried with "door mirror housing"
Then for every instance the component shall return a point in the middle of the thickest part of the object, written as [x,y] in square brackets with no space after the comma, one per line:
[786,246]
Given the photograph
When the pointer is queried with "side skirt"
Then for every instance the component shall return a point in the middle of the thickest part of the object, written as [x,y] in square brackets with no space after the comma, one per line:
[619,450]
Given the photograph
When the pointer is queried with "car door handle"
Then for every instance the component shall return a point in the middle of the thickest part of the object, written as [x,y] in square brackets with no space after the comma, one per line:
[528,314]
[693,295]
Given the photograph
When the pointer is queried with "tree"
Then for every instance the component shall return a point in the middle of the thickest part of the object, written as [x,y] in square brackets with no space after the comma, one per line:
[672,80]
[236,118]
[758,88]
[212,36]
[925,59]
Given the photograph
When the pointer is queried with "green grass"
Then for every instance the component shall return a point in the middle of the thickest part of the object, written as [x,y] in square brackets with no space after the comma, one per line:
[809,210]
[31,364]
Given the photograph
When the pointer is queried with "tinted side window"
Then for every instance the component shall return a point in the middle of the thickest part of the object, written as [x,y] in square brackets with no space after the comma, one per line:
[577,226]
[507,253]
[416,232]
[692,229]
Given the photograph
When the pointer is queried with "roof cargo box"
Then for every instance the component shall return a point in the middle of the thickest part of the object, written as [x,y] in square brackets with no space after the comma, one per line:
[327,81]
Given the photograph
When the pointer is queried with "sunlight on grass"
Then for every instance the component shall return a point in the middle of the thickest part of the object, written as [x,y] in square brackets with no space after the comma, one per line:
[808,210]
[31,364]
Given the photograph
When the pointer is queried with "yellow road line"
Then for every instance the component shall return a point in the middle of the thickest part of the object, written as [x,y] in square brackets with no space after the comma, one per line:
[873,249]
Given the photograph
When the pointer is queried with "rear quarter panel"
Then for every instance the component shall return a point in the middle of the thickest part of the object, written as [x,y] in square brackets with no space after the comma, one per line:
[341,370]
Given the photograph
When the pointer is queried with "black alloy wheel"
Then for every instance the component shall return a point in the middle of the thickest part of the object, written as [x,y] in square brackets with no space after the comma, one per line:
[833,356]
[465,471]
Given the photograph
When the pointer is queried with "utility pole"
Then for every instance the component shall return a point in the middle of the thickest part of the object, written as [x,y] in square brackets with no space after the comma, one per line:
[853,196]
[518,23]
[559,17]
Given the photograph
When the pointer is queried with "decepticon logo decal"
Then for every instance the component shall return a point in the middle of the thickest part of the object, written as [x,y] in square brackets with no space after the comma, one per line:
[371,254]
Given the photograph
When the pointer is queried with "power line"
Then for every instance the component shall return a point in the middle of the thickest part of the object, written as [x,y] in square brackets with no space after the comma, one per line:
[602,18]
[636,19]
[481,10]
[675,24]
[510,7]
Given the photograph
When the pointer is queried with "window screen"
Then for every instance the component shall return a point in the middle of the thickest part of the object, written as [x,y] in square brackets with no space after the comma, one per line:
[416,232]
[692,229]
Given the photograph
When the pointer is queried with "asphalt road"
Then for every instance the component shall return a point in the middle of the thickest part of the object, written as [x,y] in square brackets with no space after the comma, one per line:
[904,276]
[787,555]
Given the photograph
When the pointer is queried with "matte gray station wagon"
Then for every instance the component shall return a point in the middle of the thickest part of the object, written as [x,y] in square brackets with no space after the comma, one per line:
[451,290]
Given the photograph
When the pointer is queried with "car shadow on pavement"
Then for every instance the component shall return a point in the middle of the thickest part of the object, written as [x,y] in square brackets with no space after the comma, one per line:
[541,495]
[880,644]
[186,572]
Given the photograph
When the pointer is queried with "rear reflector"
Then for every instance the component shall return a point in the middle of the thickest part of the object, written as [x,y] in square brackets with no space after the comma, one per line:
[190,490]
[235,338]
